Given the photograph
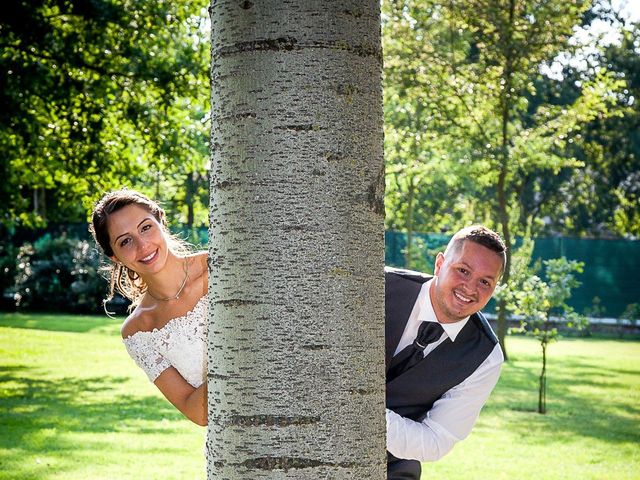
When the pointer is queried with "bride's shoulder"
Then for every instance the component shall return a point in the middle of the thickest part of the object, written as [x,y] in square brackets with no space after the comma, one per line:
[198,261]
[200,256]
[141,319]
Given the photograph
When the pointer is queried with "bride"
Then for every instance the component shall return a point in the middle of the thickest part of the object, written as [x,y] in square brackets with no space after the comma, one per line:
[165,334]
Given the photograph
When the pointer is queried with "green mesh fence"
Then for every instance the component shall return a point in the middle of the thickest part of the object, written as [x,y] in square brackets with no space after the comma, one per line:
[609,271]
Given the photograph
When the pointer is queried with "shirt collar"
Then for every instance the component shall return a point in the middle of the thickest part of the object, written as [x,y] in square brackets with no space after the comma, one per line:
[427,313]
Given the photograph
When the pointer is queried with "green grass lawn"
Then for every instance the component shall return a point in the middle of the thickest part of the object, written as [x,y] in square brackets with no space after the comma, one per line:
[74,406]
[591,429]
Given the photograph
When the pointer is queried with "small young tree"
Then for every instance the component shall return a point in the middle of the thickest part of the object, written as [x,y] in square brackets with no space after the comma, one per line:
[630,316]
[542,304]
[595,310]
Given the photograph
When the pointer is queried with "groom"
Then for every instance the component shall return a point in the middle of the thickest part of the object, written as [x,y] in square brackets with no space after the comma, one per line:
[442,358]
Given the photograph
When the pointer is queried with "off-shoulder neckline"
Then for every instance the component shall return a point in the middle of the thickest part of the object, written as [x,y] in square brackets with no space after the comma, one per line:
[170,321]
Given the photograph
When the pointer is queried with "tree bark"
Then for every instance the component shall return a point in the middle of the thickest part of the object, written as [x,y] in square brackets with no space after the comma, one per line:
[296,242]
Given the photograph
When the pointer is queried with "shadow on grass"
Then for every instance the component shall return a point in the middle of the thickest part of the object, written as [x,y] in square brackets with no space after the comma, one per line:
[584,399]
[34,412]
[70,403]
[60,322]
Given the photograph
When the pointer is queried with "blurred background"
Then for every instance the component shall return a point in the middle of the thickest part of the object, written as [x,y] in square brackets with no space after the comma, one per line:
[526,121]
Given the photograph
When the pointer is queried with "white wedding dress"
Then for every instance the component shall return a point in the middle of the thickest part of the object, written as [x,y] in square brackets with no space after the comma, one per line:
[181,343]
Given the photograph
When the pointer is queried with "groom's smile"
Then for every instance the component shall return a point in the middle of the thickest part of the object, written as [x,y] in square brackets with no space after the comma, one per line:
[465,280]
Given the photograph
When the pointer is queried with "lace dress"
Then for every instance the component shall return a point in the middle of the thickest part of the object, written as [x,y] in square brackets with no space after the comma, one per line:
[181,343]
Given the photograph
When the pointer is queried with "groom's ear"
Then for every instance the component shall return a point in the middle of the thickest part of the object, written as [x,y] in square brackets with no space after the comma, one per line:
[438,265]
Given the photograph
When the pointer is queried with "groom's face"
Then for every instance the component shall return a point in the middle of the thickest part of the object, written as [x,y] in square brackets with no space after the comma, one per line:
[464,281]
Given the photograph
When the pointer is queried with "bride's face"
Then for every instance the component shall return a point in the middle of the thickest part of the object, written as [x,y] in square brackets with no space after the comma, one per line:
[137,239]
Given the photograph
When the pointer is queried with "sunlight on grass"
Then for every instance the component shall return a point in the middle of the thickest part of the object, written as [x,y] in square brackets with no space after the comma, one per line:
[74,406]
[591,430]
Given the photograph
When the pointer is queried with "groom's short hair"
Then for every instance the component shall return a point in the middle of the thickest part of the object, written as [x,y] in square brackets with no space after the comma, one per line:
[482,236]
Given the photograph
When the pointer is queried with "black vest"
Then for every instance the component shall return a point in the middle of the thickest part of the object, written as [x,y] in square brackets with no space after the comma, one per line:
[413,393]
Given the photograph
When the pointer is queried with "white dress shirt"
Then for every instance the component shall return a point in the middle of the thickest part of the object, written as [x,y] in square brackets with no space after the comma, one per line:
[453,415]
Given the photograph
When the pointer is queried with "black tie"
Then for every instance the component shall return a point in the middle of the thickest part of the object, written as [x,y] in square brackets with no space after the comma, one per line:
[428,332]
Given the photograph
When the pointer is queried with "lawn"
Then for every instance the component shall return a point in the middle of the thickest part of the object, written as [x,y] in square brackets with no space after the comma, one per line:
[74,406]
[591,429]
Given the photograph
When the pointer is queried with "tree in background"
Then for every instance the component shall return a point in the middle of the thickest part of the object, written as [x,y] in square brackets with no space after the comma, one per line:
[57,274]
[602,199]
[422,184]
[95,95]
[296,351]
[630,317]
[469,89]
[542,304]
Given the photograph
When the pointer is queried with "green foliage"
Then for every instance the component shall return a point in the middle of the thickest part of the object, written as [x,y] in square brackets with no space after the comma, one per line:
[596,310]
[59,274]
[463,120]
[95,95]
[420,256]
[424,188]
[631,314]
[601,199]
[542,303]
[471,133]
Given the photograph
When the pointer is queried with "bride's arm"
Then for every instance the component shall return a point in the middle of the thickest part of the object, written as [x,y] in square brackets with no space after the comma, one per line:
[192,402]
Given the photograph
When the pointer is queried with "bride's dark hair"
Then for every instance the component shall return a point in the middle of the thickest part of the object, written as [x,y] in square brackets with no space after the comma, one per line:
[122,279]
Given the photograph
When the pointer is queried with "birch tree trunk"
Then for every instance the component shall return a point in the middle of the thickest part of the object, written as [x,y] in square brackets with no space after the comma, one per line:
[296,327]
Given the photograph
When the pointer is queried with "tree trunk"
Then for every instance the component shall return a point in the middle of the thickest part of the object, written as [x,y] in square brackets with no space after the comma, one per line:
[542,391]
[503,216]
[408,257]
[296,287]
[189,198]
[40,202]
[503,213]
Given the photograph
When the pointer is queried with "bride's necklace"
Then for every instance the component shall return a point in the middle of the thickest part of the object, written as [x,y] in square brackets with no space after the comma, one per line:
[177,295]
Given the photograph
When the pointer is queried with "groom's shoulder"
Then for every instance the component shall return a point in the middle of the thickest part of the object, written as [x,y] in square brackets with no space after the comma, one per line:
[485,327]
[392,273]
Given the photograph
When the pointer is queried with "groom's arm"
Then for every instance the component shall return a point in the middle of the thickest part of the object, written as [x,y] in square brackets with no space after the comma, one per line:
[450,419]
